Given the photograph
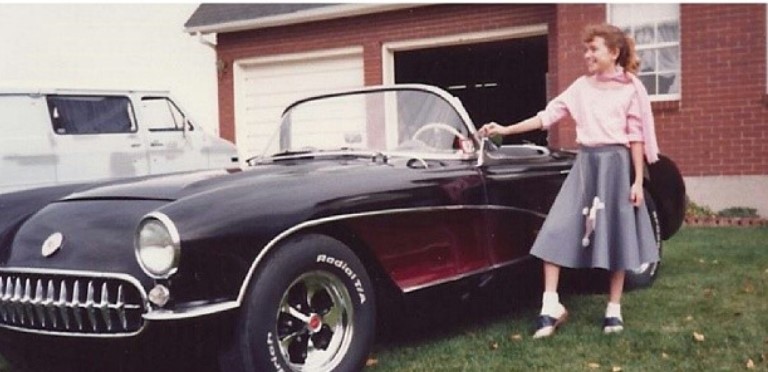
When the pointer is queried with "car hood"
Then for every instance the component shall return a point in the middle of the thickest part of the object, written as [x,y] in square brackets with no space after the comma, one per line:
[172,187]
[162,187]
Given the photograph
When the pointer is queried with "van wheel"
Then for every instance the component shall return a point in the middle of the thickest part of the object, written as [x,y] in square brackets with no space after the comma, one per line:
[310,307]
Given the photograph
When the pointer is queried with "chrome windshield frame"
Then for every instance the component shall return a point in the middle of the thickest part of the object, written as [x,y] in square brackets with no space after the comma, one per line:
[452,101]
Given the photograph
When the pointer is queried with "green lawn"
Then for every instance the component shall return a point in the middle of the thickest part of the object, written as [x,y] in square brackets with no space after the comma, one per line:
[708,310]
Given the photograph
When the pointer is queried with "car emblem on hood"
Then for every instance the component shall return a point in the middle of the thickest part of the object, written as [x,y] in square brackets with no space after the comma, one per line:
[52,244]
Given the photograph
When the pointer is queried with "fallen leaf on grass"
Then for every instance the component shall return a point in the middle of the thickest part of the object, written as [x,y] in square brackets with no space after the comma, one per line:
[708,292]
[750,364]
[748,287]
[516,337]
[593,365]
[664,356]
[616,369]
[689,318]
[698,336]
[493,345]
[371,362]
[701,261]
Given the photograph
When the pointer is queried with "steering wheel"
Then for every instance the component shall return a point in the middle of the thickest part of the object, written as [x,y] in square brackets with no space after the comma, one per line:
[440,126]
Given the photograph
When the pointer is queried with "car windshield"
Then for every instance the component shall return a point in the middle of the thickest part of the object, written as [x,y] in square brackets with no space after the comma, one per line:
[389,121]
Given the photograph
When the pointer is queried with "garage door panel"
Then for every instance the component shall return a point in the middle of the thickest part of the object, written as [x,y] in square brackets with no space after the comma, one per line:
[264,89]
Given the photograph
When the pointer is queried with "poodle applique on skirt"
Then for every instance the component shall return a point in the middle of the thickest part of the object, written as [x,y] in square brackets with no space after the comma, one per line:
[592,223]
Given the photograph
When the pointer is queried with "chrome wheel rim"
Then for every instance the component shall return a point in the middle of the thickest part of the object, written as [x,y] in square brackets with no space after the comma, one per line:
[314,322]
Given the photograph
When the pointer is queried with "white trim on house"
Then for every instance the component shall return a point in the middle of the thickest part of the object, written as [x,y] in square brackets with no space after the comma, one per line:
[303,16]
[388,49]
[291,57]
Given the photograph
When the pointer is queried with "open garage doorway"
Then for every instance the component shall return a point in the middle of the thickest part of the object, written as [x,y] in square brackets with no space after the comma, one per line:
[502,81]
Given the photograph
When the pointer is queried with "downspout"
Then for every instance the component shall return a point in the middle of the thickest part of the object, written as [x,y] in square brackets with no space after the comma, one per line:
[205,41]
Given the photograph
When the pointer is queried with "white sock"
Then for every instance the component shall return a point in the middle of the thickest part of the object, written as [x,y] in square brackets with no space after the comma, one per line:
[550,305]
[613,310]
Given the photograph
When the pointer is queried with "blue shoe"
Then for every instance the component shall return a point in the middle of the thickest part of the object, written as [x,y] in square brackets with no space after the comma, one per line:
[547,325]
[612,325]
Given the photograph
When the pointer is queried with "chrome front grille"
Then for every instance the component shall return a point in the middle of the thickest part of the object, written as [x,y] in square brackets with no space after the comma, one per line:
[71,303]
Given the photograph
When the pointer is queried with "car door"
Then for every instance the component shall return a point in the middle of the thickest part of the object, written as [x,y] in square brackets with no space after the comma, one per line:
[520,190]
[433,230]
[174,144]
[96,137]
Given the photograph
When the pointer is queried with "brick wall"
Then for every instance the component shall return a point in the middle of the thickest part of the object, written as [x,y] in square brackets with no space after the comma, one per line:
[721,124]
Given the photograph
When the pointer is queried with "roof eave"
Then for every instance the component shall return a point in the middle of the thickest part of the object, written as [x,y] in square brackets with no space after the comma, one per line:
[305,16]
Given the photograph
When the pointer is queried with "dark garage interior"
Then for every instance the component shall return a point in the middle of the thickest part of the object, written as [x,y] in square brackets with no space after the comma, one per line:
[502,81]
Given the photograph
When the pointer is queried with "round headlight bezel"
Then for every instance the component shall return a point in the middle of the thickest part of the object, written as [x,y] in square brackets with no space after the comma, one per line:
[174,243]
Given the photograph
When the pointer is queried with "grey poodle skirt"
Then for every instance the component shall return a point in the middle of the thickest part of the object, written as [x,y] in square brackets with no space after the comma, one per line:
[592,223]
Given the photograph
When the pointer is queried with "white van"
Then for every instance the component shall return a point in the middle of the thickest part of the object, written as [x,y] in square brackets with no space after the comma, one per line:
[62,135]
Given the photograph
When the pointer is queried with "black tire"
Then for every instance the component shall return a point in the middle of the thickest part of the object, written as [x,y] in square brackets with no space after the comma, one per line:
[309,307]
[645,275]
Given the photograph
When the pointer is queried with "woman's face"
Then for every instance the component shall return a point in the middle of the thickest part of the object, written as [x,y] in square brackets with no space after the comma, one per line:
[598,57]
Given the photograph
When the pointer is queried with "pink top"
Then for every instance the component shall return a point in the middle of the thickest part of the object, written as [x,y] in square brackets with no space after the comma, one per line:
[605,114]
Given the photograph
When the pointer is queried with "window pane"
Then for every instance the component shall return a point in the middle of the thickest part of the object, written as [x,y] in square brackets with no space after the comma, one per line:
[650,83]
[645,35]
[669,59]
[647,60]
[669,84]
[669,32]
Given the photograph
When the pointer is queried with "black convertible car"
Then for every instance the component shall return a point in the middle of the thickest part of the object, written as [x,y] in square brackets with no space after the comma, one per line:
[358,196]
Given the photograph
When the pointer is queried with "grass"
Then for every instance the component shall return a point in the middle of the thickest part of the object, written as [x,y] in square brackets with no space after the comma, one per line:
[713,285]
[708,310]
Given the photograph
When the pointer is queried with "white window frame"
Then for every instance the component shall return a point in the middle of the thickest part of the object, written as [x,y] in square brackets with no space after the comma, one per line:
[659,45]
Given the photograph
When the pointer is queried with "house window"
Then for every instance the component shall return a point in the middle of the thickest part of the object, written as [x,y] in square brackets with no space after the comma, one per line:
[656,30]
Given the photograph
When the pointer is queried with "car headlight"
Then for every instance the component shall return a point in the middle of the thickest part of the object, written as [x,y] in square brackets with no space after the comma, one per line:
[157,246]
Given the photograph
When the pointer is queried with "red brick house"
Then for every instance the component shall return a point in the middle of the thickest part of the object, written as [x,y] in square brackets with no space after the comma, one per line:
[705,65]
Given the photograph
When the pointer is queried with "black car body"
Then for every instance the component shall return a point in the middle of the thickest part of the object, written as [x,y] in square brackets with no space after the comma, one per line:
[286,259]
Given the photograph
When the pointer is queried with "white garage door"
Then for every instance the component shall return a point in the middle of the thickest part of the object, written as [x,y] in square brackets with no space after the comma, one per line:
[265,86]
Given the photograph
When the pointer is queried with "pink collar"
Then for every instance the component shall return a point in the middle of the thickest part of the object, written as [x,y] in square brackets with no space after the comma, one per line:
[651,146]
[618,75]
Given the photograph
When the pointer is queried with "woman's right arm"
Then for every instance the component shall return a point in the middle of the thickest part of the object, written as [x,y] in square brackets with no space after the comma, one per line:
[526,125]
[556,109]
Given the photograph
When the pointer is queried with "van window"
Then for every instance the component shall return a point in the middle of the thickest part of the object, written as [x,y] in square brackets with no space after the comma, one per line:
[91,114]
[161,114]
